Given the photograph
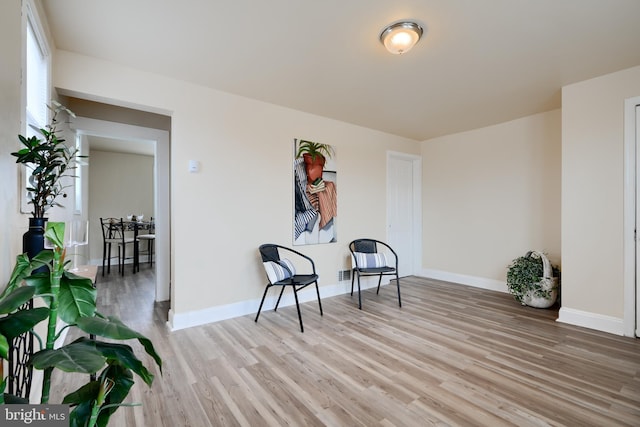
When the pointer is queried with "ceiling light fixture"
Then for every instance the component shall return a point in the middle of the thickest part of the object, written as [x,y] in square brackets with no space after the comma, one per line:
[400,37]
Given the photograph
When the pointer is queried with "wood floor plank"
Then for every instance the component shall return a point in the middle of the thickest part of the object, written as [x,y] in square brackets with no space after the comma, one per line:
[450,356]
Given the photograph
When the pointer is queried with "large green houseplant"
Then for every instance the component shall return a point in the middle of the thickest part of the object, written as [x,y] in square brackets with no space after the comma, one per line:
[71,299]
[533,280]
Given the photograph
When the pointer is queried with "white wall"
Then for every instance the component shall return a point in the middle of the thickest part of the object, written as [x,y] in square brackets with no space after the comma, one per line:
[243,195]
[592,204]
[489,196]
[12,223]
[120,184]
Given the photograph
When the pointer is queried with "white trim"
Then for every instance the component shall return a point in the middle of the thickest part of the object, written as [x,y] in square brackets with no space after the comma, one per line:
[416,250]
[599,322]
[476,282]
[95,127]
[190,319]
[33,15]
[570,316]
[629,217]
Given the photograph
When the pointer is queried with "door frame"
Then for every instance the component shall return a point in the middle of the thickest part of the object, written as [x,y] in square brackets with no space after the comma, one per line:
[630,207]
[95,127]
[416,161]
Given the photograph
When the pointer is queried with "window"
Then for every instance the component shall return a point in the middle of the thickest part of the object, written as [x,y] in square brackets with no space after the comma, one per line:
[36,72]
[37,76]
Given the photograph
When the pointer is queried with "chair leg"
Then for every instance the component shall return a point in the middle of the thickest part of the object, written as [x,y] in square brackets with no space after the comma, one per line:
[398,284]
[319,302]
[104,256]
[262,301]
[379,281]
[353,274]
[295,294]
[278,302]
[136,258]
[359,296]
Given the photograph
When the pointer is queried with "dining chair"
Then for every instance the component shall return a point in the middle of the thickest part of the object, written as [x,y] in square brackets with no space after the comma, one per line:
[372,257]
[150,238]
[108,239]
[282,272]
[114,232]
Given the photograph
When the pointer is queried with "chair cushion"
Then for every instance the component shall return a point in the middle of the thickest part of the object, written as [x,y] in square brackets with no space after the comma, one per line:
[370,260]
[277,271]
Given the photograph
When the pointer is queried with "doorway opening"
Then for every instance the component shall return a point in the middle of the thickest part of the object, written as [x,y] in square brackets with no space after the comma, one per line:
[95,120]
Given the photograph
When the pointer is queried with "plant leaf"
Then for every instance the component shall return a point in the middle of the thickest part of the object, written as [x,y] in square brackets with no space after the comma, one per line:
[16,298]
[122,383]
[21,321]
[44,257]
[21,270]
[123,354]
[74,357]
[86,393]
[77,297]
[4,349]
[85,396]
[113,328]
[41,282]
[55,233]
[12,399]
[80,415]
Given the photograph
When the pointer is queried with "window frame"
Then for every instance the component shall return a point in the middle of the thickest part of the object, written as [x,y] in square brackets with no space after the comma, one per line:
[32,24]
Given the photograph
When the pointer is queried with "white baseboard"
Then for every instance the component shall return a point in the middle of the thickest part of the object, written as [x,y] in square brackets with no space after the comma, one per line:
[570,316]
[599,322]
[215,314]
[476,282]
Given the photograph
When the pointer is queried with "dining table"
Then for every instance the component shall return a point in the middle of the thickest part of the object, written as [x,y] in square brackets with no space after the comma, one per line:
[136,226]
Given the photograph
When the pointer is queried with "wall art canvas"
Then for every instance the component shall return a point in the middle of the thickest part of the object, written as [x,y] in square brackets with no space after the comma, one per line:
[315,193]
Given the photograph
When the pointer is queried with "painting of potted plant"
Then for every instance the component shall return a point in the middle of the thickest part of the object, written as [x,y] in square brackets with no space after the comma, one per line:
[315,190]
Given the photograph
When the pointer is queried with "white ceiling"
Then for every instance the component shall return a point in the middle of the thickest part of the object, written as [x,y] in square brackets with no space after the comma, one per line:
[101,143]
[481,62]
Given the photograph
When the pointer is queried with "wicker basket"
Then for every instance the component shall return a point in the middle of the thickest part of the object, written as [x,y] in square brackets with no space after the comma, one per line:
[548,283]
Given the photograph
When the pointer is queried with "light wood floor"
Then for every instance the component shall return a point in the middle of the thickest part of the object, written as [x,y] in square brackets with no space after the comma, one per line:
[452,355]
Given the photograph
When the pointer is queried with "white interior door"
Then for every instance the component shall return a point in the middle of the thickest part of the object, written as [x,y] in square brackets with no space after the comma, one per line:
[637,243]
[631,217]
[403,210]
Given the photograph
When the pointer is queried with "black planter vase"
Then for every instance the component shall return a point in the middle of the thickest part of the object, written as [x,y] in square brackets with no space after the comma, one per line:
[33,239]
